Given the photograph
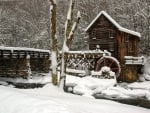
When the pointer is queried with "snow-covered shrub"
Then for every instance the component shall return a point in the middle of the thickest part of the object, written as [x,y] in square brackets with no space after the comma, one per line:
[146,74]
[105,72]
[89,85]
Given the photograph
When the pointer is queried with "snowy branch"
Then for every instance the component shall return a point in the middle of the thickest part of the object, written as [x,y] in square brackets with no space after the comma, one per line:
[74,27]
[53,2]
[69,18]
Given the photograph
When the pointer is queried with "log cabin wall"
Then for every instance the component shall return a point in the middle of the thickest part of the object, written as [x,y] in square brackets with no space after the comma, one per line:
[122,47]
[109,35]
[103,34]
[127,46]
[40,65]
[13,67]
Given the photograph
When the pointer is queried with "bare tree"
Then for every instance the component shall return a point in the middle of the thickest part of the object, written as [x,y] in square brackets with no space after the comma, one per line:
[70,28]
[54,49]
[25,21]
[143,22]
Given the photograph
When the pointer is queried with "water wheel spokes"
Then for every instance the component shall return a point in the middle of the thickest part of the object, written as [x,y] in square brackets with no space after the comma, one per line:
[109,62]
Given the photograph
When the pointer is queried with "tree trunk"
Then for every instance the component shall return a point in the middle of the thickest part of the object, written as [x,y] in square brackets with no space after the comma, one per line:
[65,47]
[54,48]
[69,32]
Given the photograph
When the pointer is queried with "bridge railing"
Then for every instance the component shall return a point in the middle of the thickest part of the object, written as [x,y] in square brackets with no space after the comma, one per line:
[15,61]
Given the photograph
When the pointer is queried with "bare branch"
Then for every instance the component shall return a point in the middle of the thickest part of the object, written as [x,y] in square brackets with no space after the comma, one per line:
[74,27]
[69,20]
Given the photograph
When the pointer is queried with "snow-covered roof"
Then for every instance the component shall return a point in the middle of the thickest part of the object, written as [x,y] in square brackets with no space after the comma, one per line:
[120,28]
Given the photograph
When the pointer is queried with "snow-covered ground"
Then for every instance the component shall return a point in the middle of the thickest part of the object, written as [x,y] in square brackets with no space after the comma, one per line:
[107,87]
[50,99]
[41,78]
[89,86]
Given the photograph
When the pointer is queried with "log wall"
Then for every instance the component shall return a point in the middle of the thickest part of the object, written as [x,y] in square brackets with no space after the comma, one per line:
[119,43]
[22,63]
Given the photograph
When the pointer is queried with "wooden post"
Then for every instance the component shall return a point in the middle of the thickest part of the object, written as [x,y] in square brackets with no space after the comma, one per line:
[129,74]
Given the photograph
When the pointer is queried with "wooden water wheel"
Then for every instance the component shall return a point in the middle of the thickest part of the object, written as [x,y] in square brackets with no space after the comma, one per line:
[109,62]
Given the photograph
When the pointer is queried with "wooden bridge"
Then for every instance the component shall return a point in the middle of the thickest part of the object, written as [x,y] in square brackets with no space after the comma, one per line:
[22,62]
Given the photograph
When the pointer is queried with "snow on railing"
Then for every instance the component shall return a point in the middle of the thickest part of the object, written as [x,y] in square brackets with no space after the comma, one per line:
[23,49]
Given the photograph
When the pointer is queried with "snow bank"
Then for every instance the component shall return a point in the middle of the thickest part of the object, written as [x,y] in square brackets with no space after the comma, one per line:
[50,99]
[146,74]
[140,85]
[120,92]
[46,78]
[13,101]
[88,85]
[3,83]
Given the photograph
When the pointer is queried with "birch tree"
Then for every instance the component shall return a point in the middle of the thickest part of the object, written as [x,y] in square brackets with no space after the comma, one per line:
[54,49]
[70,28]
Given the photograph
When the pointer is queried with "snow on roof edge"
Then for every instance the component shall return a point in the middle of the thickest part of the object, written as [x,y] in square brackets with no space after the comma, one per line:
[115,23]
[130,32]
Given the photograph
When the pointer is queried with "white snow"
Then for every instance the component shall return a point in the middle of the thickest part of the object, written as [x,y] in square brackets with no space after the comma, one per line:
[134,60]
[75,71]
[51,100]
[78,14]
[105,68]
[23,49]
[146,76]
[45,78]
[108,87]
[72,30]
[107,52]
[87,52]
[140,85]
[114,59]
[28,56]
[115,23]
[51,7]
[146,69]
[74,26]
[88,85]
[3,83]
[69,11]
[54,61]
[65,47]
